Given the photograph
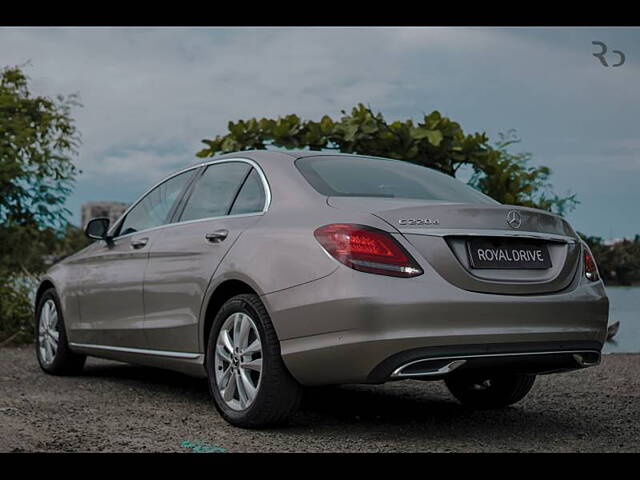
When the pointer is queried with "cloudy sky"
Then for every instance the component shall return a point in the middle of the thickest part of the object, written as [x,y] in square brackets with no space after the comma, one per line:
[151,95]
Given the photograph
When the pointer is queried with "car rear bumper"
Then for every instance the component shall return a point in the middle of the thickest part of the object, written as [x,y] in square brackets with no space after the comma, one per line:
[434,363]
[354,327]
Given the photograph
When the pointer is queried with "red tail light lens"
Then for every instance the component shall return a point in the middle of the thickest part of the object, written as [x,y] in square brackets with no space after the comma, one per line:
[367,249]
[590,267]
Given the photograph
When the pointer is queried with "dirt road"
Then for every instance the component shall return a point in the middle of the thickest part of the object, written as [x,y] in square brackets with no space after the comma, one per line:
[115,407]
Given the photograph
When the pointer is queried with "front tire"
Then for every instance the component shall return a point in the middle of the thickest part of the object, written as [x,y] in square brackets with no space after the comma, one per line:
[249,383]
[52,348]
[485,392]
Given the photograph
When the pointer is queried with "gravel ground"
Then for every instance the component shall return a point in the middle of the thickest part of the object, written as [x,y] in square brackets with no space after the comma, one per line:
[115,407]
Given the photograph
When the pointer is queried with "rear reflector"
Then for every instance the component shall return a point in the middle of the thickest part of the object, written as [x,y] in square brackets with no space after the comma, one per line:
[367,249]
[590,267]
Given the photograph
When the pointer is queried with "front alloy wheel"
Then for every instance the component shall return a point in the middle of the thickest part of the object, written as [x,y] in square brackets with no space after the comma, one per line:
[52,348]
[48,334]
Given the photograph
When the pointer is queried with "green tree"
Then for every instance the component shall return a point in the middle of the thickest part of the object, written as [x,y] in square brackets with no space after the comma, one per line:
[509,178]
[38,140]
[618,263]
[436,141]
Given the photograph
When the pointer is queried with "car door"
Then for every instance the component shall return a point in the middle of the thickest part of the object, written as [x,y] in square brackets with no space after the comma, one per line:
[226,199]
[109,281]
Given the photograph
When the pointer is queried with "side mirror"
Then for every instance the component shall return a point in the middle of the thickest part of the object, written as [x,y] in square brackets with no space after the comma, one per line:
[97,228]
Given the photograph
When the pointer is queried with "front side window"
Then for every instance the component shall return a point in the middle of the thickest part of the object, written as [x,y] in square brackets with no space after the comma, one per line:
[153,210]
[343,176]
[215,190]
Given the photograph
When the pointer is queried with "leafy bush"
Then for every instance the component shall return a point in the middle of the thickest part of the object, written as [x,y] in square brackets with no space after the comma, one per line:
[509,178]
[436,142]
[16,311]
[21,262]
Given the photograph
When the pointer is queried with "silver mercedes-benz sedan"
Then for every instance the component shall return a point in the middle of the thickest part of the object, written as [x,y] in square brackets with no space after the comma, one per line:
[267,271]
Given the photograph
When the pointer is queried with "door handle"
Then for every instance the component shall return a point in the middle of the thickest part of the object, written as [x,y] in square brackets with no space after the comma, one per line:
[217,236]
[139,242]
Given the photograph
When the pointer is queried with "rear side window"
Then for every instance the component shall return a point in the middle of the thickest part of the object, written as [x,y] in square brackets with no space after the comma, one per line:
[251,197]
[215,190]
[344,176]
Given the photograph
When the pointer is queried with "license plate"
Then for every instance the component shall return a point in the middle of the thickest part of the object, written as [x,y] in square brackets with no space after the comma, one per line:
[507,254]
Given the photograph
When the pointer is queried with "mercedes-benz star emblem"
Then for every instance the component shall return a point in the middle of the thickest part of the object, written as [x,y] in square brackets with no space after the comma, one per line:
[514,219]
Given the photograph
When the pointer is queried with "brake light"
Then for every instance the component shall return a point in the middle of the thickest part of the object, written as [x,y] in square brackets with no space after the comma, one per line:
[367,249]
[590,267]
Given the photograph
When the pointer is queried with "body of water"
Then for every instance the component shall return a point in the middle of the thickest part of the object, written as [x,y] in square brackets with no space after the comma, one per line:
[624,306]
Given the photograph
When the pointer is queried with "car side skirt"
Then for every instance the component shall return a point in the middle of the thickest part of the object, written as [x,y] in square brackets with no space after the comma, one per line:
[184,362]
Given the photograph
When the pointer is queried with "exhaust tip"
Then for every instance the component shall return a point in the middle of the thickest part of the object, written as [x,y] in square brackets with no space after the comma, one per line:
[587,359]
[427,367]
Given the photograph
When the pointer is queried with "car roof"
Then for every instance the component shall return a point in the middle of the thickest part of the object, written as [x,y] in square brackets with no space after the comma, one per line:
[275,154]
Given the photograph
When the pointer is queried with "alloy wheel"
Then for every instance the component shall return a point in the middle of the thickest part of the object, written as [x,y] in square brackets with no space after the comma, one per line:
[48,333]
[238,361]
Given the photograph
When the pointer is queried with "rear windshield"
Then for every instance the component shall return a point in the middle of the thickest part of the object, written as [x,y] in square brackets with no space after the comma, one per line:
[343,176]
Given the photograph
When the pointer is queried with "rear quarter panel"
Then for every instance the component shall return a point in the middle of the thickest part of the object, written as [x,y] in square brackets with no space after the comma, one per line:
[280,252]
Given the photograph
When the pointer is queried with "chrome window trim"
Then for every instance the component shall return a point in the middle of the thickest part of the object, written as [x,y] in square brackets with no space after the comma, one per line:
[186,222]
[160,353]
[263,178]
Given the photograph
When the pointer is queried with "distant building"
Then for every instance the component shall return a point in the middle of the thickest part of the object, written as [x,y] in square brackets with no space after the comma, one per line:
[102,209]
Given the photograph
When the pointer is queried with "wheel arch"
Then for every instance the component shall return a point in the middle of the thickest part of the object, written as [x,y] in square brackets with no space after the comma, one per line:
[45,285]
[222,292]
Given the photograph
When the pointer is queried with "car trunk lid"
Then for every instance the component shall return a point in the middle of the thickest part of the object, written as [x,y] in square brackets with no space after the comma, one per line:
[445,234]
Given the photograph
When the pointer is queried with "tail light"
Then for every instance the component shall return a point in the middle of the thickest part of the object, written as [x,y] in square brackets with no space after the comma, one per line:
[367,249]
[590,267]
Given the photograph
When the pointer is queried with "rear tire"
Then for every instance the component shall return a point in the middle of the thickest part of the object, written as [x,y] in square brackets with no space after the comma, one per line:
[244,396]
[485,392]
[52,347]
